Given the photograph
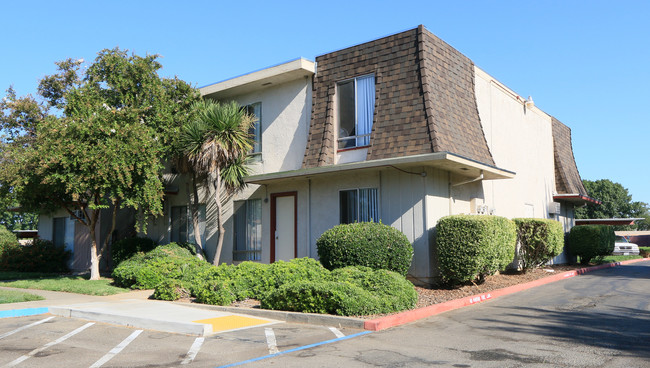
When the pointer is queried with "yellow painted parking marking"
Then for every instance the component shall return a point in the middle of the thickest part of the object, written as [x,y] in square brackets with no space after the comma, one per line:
[228,323]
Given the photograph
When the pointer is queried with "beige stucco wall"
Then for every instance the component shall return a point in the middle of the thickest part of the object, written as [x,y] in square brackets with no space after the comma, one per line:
[520,140]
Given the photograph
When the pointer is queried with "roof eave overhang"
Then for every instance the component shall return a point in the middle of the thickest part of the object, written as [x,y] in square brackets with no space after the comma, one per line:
[441,160]
[278,74]
[575,198]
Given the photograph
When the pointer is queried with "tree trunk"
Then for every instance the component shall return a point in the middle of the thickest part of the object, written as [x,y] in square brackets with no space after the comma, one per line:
[217,199]
[194,210]
[94,259]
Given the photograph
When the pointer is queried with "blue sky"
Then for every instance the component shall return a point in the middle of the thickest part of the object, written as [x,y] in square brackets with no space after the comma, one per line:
[585,62]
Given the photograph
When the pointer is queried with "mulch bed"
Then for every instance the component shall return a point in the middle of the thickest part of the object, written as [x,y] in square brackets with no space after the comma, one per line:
[429,296]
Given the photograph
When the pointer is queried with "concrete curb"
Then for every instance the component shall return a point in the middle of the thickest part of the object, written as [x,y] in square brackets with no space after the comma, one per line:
[292,317]
[416,314]
[190,328]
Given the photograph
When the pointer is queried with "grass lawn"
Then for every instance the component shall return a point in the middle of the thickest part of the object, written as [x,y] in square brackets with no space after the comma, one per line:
[11,296]
[15,275]
[71,284]
[612,259]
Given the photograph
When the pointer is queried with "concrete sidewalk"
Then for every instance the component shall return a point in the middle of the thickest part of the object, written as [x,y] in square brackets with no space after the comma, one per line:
[135,309]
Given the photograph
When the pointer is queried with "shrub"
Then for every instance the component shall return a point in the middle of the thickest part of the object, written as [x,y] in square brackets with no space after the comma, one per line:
[7,239]
[38,256]
[147,270]
[216,292]
[591,241]
[539,241]
[350,291]
[473,247]
[126,248]
[171,289]
[368,244]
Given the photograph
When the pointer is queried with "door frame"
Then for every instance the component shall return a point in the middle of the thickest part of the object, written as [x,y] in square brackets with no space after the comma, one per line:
[274,196]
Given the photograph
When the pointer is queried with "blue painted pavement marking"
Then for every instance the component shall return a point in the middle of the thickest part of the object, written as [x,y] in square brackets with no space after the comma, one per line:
[23,312]
[295,349]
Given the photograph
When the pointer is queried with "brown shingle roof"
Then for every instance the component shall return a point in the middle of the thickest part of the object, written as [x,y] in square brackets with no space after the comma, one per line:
[567,177]
[425,99]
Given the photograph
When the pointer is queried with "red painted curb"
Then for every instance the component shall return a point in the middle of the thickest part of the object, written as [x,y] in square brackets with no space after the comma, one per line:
[416,314]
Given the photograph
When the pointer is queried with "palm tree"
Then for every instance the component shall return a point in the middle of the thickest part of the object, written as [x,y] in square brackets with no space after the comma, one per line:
[217,143]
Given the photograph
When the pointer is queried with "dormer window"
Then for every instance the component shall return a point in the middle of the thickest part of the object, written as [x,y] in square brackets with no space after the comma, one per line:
[356,107]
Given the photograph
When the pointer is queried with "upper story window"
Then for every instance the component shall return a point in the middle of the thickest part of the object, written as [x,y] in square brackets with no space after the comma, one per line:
[255,110]
[356,107]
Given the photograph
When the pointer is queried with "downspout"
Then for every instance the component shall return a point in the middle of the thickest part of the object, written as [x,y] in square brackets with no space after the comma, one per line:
[309,218]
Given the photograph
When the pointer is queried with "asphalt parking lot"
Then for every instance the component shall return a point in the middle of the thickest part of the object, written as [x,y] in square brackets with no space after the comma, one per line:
[51,341]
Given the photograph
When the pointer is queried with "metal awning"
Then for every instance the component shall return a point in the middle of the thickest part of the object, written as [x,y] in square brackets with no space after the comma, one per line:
[441,160]
[576,198]
[608,221]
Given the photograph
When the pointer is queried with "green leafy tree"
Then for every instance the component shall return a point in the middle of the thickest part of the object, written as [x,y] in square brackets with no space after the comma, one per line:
[97,142]
[217,143]
[616,203]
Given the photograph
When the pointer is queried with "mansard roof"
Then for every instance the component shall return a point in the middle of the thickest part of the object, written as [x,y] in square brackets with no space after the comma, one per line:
[425,99]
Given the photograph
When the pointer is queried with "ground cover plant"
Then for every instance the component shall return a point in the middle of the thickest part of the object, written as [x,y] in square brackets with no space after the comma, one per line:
[17,275]
[71,284]
[12,296]
[301,284]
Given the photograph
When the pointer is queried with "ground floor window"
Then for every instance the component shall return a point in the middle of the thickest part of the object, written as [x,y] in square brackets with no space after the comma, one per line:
[248,230]
[182,226]
[358,205]
[58,231]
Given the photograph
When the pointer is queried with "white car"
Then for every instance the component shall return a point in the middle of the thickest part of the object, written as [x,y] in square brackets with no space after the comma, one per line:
[622,247]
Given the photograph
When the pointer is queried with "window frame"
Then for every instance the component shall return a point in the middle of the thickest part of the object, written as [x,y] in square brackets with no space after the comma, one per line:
[249,252]
[358,204]
[256,125]
[356,137]
[189,223]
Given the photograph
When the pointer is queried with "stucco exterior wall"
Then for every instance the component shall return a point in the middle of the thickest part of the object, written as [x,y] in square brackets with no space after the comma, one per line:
[520,140]
[286,110]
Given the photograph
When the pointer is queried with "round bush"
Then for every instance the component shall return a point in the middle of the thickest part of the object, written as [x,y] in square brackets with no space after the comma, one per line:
[472,247]
[590,241]
[126,248]
[368,244]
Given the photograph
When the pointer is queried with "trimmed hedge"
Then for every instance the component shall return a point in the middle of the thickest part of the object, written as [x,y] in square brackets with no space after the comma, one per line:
[539,241]
[473,247]
[591,241]
[368,244]
[37,256]
[126,248]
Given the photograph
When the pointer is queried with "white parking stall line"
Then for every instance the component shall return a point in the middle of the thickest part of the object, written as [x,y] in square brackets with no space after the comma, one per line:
[49,344]
[270,341]
[116,350]
[25,327]
[194,349]
[336,332]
